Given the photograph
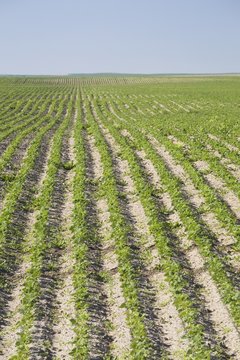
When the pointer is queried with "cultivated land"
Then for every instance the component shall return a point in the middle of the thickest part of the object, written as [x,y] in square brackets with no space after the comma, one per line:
[120,218]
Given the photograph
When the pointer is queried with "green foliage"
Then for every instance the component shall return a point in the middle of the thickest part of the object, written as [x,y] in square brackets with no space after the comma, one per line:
[192,119]
[69,165]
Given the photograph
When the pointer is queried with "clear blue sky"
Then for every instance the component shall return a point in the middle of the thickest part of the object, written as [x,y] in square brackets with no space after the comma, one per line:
[131,36]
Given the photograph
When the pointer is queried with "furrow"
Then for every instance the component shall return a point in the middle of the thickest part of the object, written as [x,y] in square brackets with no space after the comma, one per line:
[43,327]
[140,343]
[13,166]
[119,333]
[10,332]
[63,331]
[119,217]
[218,170]
[218,185]
[38,280]
[14,157]
[150,279]
[13,306]
[223,325]
[99,340]
[172,333]
[16,230]
[12,131]
[196,199]
[139,177]
[149,302]
[223,282]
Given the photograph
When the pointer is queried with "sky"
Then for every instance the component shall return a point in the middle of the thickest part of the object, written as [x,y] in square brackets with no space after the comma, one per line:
[124,36]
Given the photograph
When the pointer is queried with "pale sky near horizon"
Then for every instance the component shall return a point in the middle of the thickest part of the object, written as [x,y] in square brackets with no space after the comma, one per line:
[126,36]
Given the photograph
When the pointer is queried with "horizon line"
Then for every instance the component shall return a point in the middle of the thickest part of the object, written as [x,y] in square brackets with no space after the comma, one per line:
[125,74]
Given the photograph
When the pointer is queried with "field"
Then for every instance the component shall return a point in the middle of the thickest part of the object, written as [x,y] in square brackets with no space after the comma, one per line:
[120,217]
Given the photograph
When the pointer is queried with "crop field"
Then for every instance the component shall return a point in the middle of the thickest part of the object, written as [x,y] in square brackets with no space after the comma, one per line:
[120,218]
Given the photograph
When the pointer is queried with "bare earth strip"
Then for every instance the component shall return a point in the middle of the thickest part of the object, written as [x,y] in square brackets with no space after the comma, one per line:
[120,333]
[179,172]
[222,234]
[194,195]
[63,328]
[173,330]
[232,168]
[220,316]
[228,196]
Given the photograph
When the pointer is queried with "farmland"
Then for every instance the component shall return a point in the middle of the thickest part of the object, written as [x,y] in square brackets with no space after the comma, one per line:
[120,217]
